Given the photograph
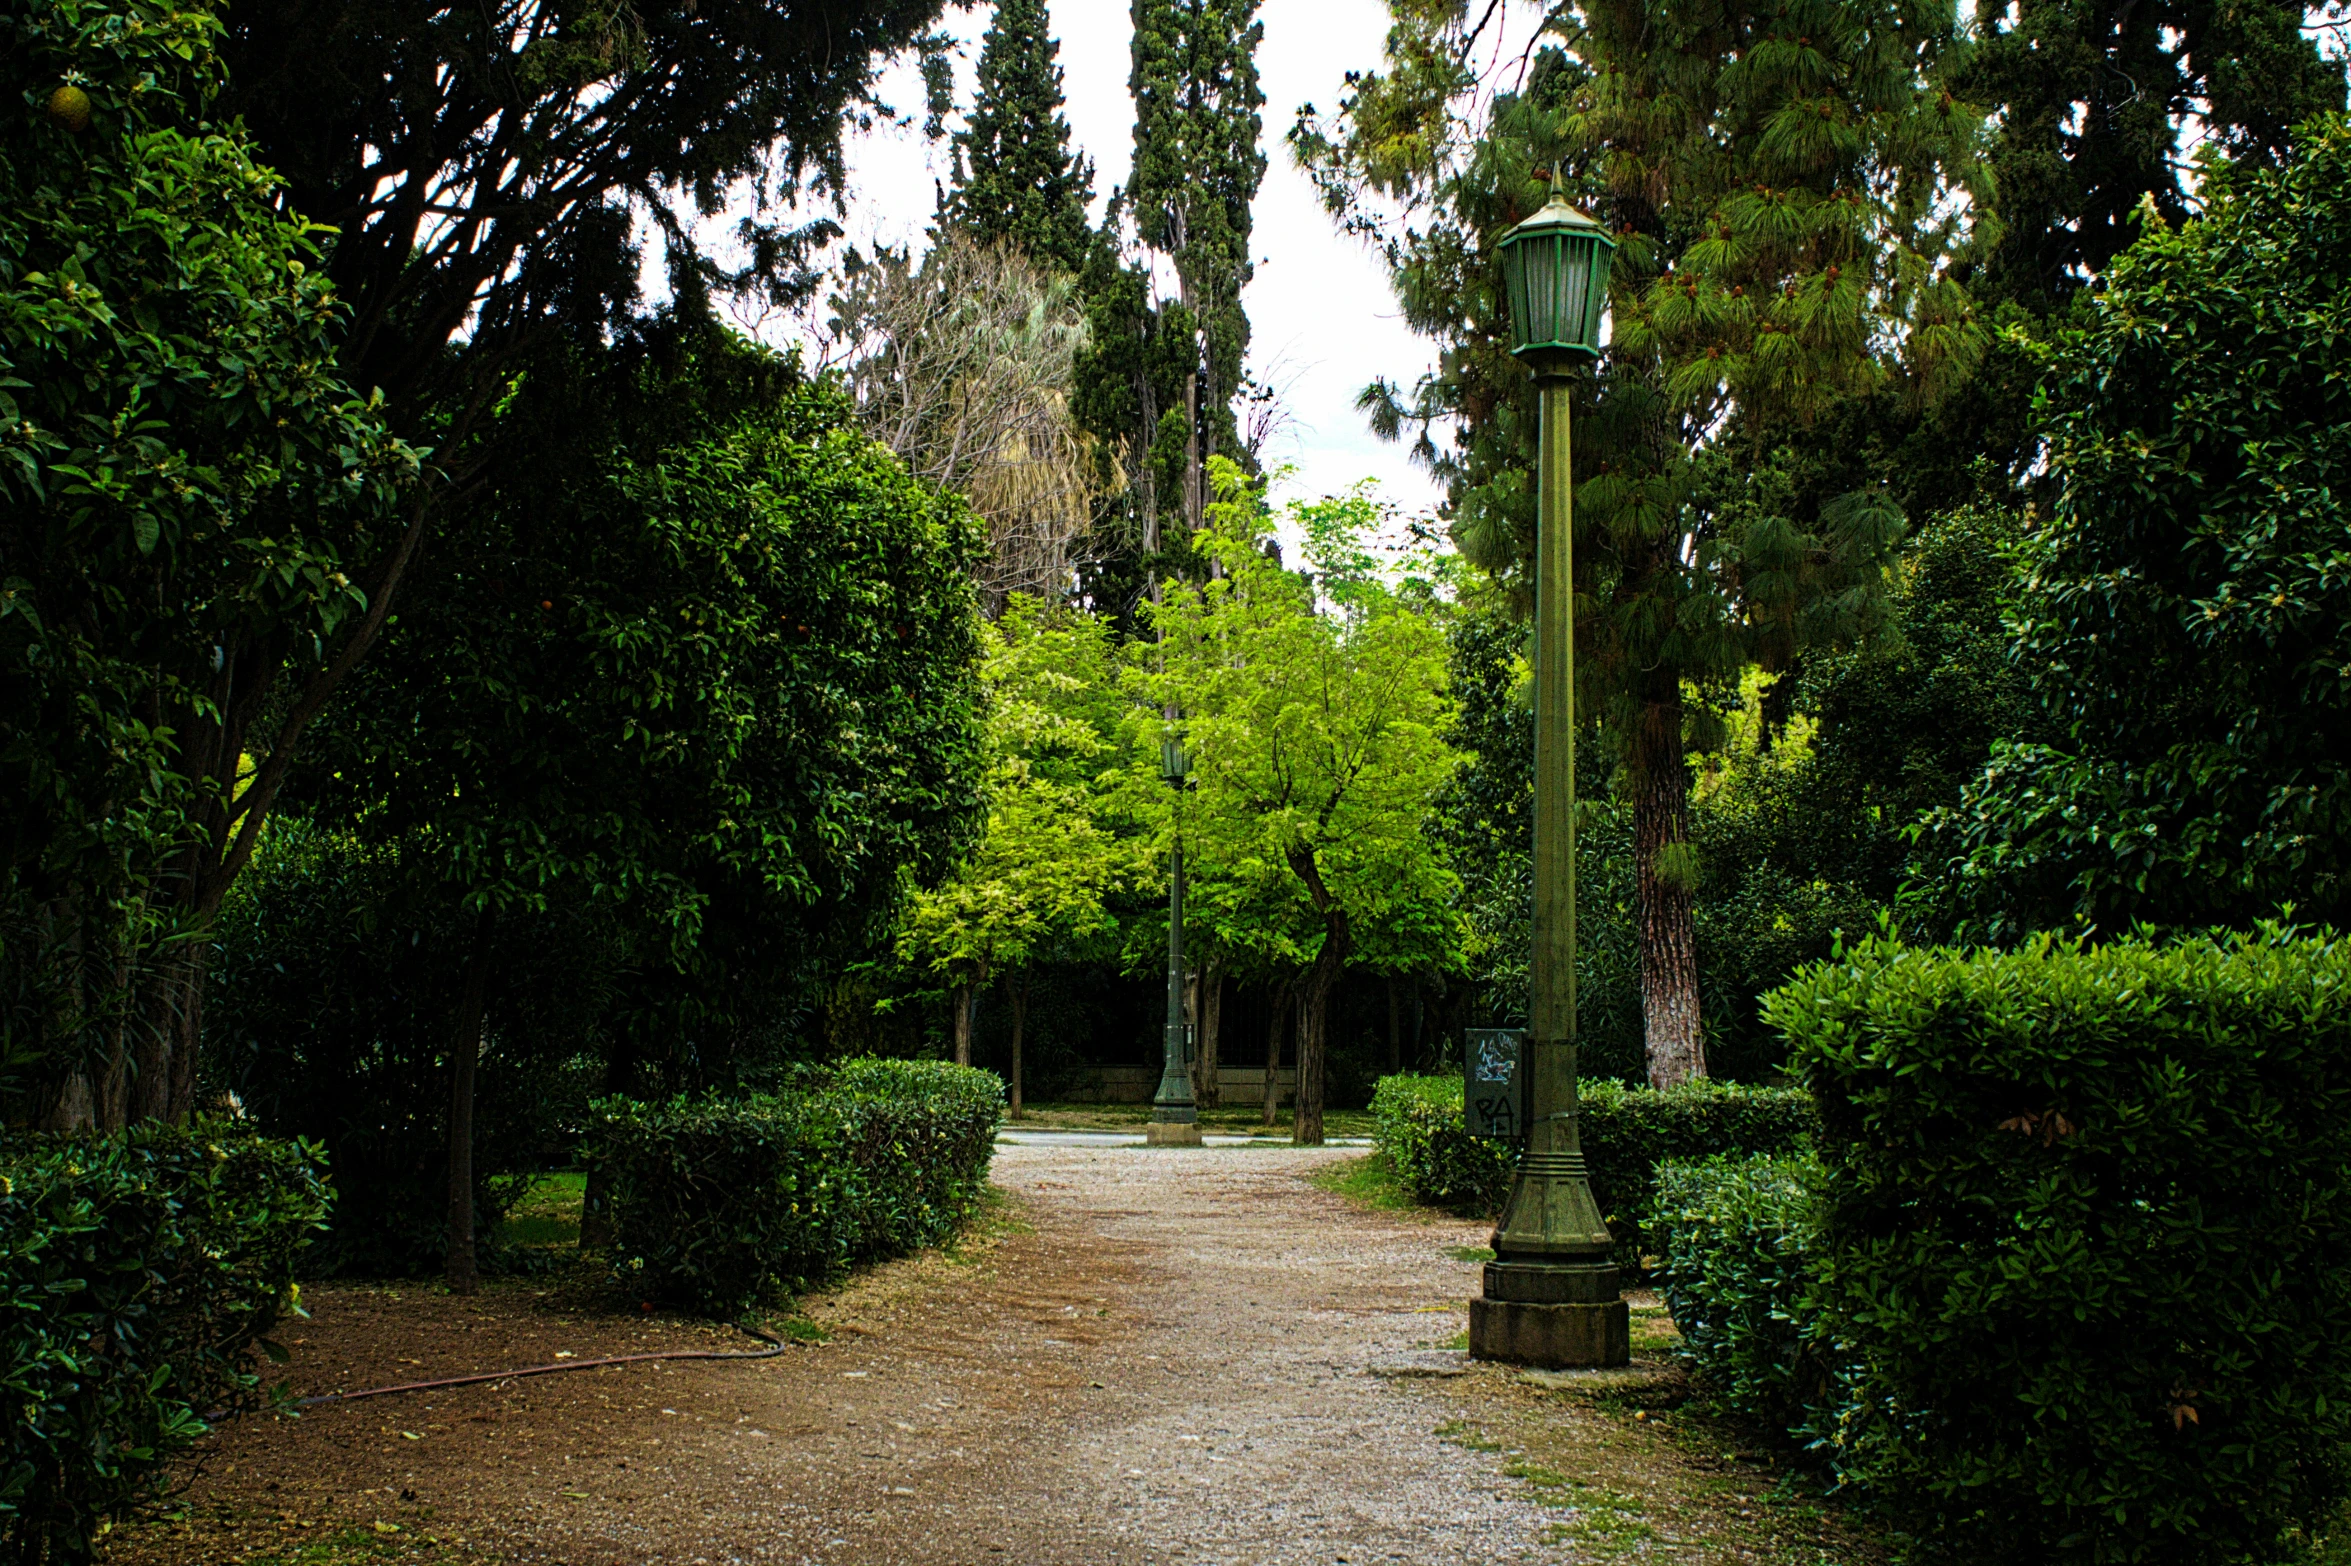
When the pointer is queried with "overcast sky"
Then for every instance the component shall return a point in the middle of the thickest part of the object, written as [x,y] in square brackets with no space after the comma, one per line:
[1323,318]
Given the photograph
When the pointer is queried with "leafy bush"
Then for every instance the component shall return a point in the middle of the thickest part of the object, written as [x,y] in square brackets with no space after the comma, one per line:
[2085,1218]
[139,1275]
[1627,1132]
[1734,1238]
[919,1134]
[1417,1122]
[722,1205]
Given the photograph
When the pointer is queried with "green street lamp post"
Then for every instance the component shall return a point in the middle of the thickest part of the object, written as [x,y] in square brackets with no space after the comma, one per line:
[1175,1118]
[1551,1293]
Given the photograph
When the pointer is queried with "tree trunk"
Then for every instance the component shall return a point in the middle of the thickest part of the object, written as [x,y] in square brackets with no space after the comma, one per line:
[596,1211]
[1020,1023]
[465,1049]
[1314,999]
[1273,1052]
[1206,1093]
[964,995]
[1395,1030]
[1666,872]
[1314,1013]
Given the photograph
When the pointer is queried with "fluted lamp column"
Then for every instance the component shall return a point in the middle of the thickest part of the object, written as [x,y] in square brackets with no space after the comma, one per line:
[1551,1296]
[1175,1117]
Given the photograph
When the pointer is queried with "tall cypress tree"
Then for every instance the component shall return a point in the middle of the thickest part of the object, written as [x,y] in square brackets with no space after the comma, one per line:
[1198,161]
[1016,179]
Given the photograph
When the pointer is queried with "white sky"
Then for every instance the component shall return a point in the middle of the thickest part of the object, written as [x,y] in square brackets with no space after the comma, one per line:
[1324,322]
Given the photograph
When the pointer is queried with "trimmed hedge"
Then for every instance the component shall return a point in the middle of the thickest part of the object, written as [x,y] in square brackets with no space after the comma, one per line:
[720,1206]
[1734,1238]
[2085,1236]
[139,1277]
[1627,1132]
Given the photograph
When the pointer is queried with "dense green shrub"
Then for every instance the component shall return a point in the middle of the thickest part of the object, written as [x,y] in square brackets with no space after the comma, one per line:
[1627,1132]
[139,1275]
[2085,1230]
[1734,1239]
[723,1205]
[919,1135]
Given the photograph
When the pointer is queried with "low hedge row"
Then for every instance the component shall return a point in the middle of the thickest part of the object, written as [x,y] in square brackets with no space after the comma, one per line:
[1626,1131]
[2072,1280]
[139,1277]
[720,1206]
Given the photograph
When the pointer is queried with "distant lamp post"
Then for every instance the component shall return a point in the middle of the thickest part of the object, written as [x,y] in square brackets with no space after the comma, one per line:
[1551,1292]
[1175,1118]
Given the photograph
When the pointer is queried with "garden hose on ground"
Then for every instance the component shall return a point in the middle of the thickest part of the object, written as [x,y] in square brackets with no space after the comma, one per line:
[774,1347]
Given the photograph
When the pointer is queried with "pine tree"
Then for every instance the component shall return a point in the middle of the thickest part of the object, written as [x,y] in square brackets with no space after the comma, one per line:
[1792,191]
[1016,179]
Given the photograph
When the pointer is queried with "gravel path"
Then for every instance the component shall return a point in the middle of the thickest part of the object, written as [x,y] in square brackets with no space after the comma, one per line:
[1160,1356]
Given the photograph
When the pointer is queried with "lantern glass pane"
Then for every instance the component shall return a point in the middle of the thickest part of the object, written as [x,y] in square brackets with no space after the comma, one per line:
[1542,292]
[1514,272]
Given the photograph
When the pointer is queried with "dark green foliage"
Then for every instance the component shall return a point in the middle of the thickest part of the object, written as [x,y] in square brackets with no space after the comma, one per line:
[1016,180]
[1627,1133]
[327,1008]
[371,112]
[722,1206]
[1734,1240]
[2091,96]
[139,1277]
[2186,627]
[2084,1216]
[183,472]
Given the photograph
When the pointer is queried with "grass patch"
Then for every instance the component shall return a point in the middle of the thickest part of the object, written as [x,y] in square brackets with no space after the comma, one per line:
[1467,1436]
[1470,1253]
[1369,1181]
[548,1213]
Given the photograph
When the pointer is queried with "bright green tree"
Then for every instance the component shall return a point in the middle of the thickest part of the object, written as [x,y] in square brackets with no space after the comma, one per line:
[1793,192]
[1036,878]
[184,478]
[1016,180]
[1316,739]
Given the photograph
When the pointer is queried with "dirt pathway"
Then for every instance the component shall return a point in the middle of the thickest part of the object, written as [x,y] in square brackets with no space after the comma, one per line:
[1159,1356]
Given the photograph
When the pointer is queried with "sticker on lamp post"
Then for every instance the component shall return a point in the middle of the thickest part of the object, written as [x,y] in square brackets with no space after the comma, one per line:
[1490,1076]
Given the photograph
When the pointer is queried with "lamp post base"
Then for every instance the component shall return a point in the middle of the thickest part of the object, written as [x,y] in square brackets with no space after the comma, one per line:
[1554,1315]
[1550,1337]
[1172,1133]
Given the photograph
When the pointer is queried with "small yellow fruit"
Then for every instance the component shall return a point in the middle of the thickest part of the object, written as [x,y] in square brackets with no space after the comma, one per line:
[69,106]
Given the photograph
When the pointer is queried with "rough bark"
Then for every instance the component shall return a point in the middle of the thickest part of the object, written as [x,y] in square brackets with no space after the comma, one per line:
[1207,1093]
[465,1050]
[1675,1047]
[963,1004]
[1395,1029]
[1019,996]
[1314,998]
